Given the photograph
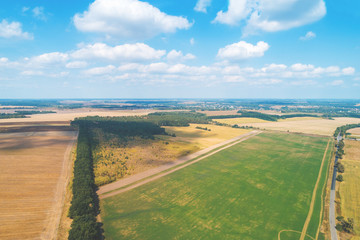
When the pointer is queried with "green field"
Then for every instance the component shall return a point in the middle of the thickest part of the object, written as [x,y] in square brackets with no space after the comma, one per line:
[252,190]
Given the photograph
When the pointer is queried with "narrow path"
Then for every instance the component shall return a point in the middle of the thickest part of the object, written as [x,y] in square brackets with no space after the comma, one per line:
[153,174]
[288,230]
[313,198]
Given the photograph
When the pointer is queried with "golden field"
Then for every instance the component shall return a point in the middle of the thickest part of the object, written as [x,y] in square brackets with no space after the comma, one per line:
[32,180]
[306,125]
[350,188]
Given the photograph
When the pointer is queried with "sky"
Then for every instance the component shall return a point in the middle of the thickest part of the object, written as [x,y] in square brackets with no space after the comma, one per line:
[180,49]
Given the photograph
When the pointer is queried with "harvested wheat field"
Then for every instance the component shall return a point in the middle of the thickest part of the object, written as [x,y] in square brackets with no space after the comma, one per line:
[318,126]
[350,188]
[355,132]
[32,182]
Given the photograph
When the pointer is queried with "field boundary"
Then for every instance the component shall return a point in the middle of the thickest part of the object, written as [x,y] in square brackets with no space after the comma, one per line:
[176,167]
[313,198]
[289,230]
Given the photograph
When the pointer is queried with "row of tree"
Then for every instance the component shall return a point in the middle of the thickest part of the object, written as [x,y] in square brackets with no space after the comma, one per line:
[85,203]
[342,129]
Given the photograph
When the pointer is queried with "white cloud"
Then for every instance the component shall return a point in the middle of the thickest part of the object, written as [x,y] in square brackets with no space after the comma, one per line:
[48,59]
[100,70]
[202,5]
[308,36]
[348,71]
[301,67]
[174,56]
[38,12]
[76,64]
[126,52]
[128,18]
[237,11]
[271,15]
[243,50]
[192,41]
[32,73]
[4,60]
[13,29]
[336,83]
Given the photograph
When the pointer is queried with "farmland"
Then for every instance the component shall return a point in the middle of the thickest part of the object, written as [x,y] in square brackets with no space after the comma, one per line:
[318,126]
[32,180]
[349,189]
[252,190]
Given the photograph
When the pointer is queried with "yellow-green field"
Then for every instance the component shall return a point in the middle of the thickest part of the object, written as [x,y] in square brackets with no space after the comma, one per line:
[350,187]
[318,126]
[112,163]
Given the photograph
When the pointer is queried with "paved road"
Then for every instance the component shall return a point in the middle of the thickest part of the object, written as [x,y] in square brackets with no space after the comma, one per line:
[153,174]
[332,214]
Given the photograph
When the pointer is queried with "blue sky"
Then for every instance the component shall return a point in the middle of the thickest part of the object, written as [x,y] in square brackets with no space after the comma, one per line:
[179,49]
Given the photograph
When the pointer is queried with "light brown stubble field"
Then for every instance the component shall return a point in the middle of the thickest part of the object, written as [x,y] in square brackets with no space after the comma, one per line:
[31,176]
[318,126]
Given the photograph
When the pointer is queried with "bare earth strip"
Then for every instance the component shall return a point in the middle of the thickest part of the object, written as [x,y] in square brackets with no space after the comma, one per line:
[103,191]
[313,198]
[31,182]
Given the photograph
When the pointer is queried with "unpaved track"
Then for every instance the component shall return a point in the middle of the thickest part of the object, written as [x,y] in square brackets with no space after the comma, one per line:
[313,198]
[288,230]
[104,190]
[53,221]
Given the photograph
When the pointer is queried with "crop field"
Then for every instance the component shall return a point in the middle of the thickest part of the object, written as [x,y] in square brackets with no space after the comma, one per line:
[318,126]
[142,154]
[257,189]
[350,188]
[202,138]
[32,175]
[355,132]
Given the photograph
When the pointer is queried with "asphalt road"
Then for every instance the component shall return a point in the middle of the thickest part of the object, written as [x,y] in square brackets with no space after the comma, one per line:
[332,200]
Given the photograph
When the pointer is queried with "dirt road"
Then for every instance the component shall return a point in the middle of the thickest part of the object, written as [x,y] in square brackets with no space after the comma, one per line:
[153,174]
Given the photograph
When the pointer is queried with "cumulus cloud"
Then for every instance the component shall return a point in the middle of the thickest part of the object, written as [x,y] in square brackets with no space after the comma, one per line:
[13,29]
[243,50]
[174,56]
[271,15]
[49,58]
[127,18]
[100,70]
[202,5]
[76,64]
[308,36]
[348,71]
[126,52]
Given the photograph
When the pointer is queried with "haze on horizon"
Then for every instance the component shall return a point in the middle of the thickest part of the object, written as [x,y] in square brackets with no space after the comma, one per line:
[187,49]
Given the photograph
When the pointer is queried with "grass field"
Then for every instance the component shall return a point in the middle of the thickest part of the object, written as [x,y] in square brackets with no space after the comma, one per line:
[350,188]
[318,126]
[252,190]
[31,183]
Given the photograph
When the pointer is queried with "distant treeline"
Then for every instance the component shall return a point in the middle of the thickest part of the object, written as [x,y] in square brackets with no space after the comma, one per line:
[21,114]
[263,116]
[85,203]
[33,112]
[11,115]
[159,118]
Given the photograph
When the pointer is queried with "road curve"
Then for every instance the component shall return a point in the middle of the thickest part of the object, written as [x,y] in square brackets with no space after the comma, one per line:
[153,174]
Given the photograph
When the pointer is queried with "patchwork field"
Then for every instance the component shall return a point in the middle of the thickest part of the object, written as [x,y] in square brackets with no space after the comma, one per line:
[318,126]
[350,188]
[252,190]
[32,182]
[115,161]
